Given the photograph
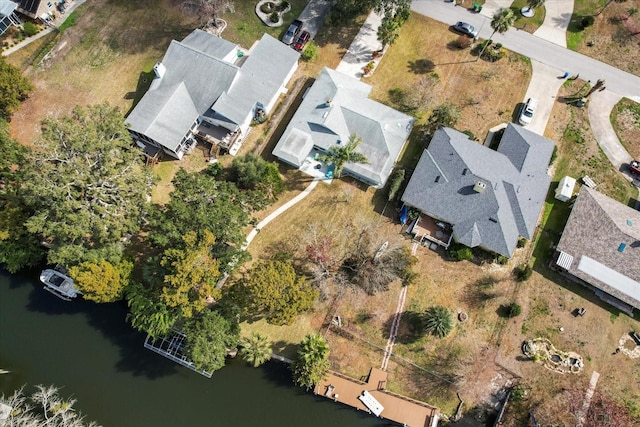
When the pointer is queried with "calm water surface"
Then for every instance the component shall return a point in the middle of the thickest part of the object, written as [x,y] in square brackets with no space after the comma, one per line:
[90,352]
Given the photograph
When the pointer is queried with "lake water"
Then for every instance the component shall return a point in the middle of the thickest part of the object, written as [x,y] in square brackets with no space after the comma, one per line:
[89,351]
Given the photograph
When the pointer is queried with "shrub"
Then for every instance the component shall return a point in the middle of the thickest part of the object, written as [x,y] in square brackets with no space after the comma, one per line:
[30,29]
[274,17]
[587,21]
[267,7]
[522,242]
[514,310]
[310,52]
[461,253]
[462,42]
[438,321]
[470,134]
[397,178]
[522,272]
[501,260]
[283,6]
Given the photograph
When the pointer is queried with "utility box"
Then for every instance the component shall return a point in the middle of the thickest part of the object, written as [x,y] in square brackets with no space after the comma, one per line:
[564,192]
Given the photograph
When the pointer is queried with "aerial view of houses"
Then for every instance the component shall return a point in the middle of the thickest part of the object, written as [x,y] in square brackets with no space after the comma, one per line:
[421,213]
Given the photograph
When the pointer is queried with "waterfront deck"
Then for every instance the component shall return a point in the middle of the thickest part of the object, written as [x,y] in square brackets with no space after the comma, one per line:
[403,410]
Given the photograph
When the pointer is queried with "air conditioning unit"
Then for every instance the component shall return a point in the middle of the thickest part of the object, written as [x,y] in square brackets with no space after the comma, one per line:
[479,187]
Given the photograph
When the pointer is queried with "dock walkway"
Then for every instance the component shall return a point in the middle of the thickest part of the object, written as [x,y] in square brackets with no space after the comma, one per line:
[403,410]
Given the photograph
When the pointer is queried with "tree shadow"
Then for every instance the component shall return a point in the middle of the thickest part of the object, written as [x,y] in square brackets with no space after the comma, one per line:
[285,349]
[409,328]
[421,66]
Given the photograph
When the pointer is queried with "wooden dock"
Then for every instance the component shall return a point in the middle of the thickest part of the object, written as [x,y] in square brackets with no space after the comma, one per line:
[403,410]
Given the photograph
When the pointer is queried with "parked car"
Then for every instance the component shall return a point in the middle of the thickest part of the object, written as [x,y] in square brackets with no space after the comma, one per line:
[302,41]
[528,109]
[634,167]
[292,32]
[466,29]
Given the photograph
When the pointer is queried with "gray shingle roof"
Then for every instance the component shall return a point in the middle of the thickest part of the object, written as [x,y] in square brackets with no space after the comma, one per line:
[442,186]
[209,82]
[595,229]
[349,110]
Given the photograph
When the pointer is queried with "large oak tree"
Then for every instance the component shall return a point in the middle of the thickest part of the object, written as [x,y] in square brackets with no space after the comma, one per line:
[88,187]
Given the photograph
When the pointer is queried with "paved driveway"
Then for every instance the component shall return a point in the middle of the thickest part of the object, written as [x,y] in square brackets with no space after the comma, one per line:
[313,15]
[544,86]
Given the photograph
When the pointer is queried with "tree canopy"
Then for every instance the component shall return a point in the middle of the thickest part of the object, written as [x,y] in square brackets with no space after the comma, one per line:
[312,363]
[274,290]
[147,313]
[87,187]
[102,281]
[340,155]
[209,335]
[200,203]
[18,247]
[251,172]
[14,88]
[256,349]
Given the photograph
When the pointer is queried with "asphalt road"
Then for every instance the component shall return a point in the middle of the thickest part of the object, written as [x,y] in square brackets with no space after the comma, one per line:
[548,53]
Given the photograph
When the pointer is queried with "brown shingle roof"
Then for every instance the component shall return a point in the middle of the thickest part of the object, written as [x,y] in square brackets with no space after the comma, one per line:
[596,228]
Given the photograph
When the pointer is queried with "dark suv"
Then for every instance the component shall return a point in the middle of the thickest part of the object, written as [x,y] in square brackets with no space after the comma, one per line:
[292,32]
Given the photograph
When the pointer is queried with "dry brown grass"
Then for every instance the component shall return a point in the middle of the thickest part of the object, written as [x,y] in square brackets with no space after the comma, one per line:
[626,121]
[100,59]
[486,92]
[611,39]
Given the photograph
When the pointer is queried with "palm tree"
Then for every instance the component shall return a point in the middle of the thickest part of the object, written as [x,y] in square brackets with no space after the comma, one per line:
[534,4]
[312,362]
[256,349]
[502,20]
[338,155]
[438,321]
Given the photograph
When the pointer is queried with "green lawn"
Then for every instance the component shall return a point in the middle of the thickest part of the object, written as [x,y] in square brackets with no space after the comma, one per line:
[527,24]
[244,26]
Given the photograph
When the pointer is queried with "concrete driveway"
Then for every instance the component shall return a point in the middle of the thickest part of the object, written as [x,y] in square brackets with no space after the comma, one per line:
[544,86]
[313,15]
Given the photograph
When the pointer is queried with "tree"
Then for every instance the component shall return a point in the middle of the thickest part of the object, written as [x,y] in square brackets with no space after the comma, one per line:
[200,203]
[18,247]
[274,290]
[396,182]
[209,336]
[207,11]
[102,281]
[44,407]
[392,7]
[190,275]
[256,349]
[14,88]
[443,115]
[373,271]
[312,363]
[339,156]
[502,20]
[251,172]
[438,321]
[146,313]
[534,4]
[388,31]
[87,186]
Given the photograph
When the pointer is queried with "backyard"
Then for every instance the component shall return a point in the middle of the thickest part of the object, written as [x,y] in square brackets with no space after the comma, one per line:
[107,56]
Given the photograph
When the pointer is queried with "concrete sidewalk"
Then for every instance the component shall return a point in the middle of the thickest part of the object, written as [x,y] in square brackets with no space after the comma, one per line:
[361,49]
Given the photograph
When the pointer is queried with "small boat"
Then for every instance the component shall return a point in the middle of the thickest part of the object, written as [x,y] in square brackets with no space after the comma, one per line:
[59,284]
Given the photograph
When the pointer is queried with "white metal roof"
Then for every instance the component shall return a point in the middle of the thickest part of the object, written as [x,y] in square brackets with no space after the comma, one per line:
[610,277]
[564,260]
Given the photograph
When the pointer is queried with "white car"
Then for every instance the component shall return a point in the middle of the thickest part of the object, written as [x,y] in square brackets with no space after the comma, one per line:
[528,109]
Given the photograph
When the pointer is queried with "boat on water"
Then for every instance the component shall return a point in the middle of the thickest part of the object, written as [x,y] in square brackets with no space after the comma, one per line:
[59,284]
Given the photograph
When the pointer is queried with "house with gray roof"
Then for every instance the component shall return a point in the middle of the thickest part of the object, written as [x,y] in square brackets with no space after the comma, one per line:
[335,107]
[8,16]
[600,246]
[208,88]
[482,197]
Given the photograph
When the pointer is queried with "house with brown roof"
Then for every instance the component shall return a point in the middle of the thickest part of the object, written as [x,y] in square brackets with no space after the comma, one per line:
[600,246]
[38,9]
